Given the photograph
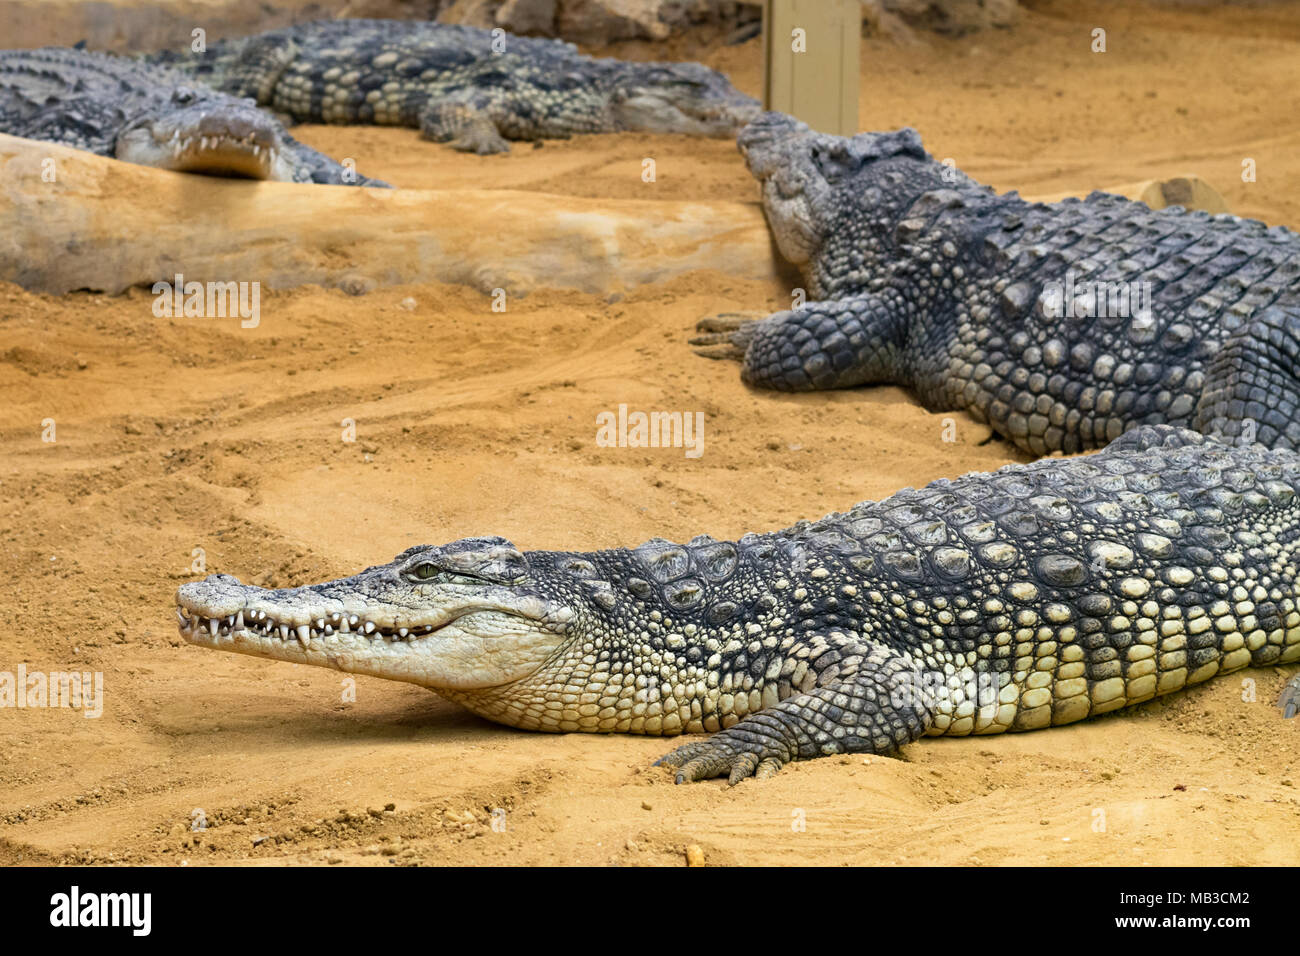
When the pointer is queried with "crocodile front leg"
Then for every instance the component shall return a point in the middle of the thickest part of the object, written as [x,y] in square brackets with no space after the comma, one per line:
[875,703]
[1290,702]
[837,343]
[465,126]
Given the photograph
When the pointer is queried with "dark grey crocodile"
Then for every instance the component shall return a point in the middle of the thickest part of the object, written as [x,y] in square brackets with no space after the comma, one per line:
[1038,595]
[462,85]
[151,116]
[1060,325]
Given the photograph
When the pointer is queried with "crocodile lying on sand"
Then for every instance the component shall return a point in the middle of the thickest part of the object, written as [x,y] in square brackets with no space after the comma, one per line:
[1059,325]
[151,116]
[1038,595]
[462,85]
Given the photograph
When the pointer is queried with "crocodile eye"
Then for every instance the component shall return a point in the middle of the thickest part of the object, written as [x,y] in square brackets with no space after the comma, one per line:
[425,571]
[183,96]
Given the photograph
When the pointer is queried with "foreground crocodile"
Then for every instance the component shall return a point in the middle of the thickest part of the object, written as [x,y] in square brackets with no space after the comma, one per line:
[462,85]
[1060,325]
[151,116]
[1039,594]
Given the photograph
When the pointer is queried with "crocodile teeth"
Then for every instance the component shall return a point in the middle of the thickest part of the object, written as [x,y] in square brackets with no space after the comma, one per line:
[370,627]
[180,616]
[320,623]
[353,619]
[284,631]
[304,634]
[343,626]
[213,626]
[334,618]
[239,619]
[402,632]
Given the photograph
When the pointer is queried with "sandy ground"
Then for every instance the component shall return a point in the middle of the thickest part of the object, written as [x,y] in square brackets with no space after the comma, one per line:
[177,434]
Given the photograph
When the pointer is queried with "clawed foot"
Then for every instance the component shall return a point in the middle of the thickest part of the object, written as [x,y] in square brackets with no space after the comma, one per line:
[726,335]
[717,757]
[1290,702]
[484,144]
[466,133]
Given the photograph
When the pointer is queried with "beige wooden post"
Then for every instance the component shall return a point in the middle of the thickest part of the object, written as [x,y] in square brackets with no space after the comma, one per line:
[810,61]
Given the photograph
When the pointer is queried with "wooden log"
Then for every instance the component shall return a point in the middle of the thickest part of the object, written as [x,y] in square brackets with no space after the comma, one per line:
[107,225]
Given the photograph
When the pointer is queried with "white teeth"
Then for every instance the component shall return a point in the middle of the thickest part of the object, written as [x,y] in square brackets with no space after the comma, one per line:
[284,631]
[320,623]
[212,627]
[370,627]
[194,622]
[304,634]
[335,617]
[352,619]
[328,630]
[239,619]
[402,632]
[343,626]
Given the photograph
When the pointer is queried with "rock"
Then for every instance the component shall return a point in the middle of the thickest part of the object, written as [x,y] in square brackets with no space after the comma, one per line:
[694,855]
[356,285]
[527,16]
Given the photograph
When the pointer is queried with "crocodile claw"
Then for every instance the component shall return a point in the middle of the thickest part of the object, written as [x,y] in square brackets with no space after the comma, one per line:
[705,759]
[725,335]
[1290,702]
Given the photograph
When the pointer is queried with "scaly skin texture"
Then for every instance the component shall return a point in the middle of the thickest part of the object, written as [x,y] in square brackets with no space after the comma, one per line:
[1037,595]
[1029,316]
[451,83]
[151,116]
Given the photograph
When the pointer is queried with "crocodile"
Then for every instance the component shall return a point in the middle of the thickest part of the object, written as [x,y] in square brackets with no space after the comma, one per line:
[472,88]
[1059,325]
[151,116]
[1037,595]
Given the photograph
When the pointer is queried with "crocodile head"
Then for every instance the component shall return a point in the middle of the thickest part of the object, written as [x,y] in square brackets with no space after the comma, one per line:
[465,616]
[201,131]
[815,186]
[679,98]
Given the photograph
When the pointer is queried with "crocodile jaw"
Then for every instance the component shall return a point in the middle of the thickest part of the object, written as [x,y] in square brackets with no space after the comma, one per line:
[450,637]
[216,140]
[681,98]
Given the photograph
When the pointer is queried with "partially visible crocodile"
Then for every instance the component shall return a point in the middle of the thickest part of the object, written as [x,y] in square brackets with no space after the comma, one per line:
[1038,595]
[151,116]
[1060,325]
[462,85]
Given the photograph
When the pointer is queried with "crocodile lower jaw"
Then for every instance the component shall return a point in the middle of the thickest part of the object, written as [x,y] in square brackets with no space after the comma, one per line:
[223,155]
[218,155]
